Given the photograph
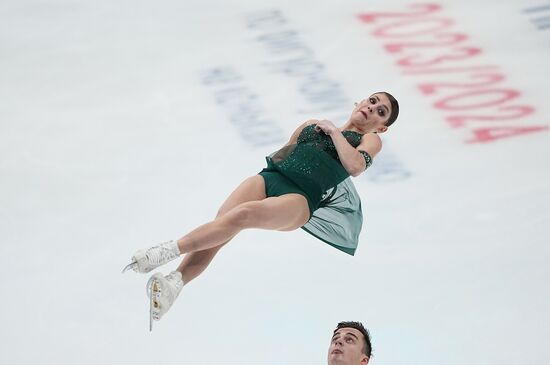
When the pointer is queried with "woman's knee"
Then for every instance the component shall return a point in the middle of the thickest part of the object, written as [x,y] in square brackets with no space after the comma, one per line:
[242,216]
[296,223]
[221,212]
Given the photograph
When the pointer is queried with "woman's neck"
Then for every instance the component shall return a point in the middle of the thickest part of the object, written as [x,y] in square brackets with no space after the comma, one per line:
[350,127]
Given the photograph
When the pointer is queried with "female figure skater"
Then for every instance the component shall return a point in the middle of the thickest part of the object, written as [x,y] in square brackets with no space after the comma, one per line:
[305,184]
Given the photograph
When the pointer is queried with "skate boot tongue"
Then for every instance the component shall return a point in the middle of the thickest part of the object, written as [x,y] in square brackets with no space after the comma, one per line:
[174,276]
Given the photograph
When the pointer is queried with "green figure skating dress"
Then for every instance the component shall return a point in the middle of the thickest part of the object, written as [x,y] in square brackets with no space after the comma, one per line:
[312,168]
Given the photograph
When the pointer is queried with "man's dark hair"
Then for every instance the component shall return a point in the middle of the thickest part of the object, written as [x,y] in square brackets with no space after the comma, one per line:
[394,109]
[367,348]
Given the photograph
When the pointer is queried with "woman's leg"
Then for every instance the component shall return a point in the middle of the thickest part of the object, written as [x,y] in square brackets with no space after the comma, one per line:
[196,262]
[283,213]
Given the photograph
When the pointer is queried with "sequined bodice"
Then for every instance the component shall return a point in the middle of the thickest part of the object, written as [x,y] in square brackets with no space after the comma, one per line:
[312,163]
[324,142]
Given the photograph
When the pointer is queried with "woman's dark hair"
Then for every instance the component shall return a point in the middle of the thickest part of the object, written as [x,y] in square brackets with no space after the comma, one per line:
[367,348]
[394,109]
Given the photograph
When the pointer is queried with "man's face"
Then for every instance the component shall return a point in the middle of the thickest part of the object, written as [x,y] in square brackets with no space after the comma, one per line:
[346,348]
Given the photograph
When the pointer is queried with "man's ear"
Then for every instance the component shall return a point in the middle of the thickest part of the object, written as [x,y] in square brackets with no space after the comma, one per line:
[364,360]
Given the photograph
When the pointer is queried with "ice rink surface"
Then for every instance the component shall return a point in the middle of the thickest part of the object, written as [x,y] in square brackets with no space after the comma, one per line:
[127,123]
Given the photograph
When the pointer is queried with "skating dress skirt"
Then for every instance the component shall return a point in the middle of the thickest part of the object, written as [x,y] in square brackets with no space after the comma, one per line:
[312,168]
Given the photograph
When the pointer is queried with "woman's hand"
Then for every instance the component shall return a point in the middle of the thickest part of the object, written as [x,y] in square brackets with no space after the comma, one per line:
[326,126]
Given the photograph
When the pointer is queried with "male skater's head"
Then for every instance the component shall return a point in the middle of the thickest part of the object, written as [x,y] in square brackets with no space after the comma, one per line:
[350,345]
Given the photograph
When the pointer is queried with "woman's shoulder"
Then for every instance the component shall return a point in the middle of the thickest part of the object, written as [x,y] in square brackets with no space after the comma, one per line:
[306,124]
[371,137]
[298,132]
[310,122]
[371,143]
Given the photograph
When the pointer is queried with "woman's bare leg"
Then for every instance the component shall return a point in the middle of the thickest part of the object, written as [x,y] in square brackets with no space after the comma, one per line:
[196,262]
[283,213]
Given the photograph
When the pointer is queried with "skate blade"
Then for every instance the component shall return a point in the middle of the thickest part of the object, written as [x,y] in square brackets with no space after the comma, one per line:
[131,266]
[151,308]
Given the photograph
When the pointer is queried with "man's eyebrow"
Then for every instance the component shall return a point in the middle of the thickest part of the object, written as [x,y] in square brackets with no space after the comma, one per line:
[347,333]
[385,107]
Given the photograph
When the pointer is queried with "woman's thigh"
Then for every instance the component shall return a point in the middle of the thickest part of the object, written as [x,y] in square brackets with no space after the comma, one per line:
[251,189]
[282,213]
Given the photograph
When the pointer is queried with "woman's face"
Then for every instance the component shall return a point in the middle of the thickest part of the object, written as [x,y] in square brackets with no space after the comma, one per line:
[372,113]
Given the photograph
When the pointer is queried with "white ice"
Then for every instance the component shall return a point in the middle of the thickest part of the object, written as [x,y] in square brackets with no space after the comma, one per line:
[111,141]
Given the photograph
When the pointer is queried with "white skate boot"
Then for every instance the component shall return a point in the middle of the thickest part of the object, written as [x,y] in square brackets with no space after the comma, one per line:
[162,292]
[146,260]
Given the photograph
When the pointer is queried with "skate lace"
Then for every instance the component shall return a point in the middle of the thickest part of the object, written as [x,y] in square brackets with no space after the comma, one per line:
[160,254]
